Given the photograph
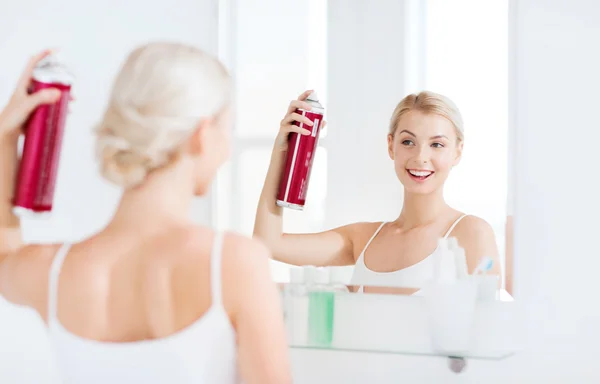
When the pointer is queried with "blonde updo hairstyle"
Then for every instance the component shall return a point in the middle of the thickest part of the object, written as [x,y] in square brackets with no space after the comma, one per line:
[159,96]
[429,103]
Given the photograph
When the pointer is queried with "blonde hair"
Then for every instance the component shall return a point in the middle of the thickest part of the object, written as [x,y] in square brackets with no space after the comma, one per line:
[430,103]
[159,96]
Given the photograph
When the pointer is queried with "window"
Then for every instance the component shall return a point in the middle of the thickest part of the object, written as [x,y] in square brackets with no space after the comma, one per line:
[273,59]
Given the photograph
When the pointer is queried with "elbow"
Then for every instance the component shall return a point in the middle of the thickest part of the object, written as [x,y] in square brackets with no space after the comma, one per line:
[260,235]
[11,241]
[270,242]
[268,237]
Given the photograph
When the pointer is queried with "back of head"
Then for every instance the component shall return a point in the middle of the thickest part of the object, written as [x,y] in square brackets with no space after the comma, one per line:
[430,103]
[159,96]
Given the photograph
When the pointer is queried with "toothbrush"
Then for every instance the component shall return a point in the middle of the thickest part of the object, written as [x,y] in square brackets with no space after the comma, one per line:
[484,266]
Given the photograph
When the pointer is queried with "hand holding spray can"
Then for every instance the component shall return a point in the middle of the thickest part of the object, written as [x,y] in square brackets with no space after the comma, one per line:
[301,151]
[36,178]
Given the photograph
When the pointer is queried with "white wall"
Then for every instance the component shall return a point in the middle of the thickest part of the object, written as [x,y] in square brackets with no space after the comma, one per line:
[94,37]
[365,76]
[555,84]
[380,51]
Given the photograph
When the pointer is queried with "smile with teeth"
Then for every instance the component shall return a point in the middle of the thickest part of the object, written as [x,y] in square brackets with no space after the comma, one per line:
[420,175]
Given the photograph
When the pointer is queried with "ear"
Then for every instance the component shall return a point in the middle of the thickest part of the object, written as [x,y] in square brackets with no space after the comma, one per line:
[198,140]
[459,150]
[390,140]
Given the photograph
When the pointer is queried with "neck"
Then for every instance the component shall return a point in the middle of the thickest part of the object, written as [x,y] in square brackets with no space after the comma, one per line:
[163,199]
[420,209]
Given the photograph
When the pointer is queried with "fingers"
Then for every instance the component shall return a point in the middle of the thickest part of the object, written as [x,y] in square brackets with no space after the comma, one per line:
[44,96]
[287,127]
[304,95]
[297,129]
[298,104]
[288,124]
[292,120]
[296,117]
[25,78]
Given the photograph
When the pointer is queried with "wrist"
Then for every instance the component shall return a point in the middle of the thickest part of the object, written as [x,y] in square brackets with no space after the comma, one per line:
[7,134]
[8,139]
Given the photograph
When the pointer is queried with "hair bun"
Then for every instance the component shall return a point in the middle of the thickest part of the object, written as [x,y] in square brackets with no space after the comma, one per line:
[120,164]
[161,93]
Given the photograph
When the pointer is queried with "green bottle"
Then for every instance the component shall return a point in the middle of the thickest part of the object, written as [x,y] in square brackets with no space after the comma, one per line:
[321,300]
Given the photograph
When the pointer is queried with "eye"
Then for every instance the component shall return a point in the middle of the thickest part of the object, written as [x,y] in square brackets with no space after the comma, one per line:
[407,142]
[437,145]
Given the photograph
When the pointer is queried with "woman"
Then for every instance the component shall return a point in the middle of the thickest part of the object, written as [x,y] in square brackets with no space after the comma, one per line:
[152,298]
[425,141]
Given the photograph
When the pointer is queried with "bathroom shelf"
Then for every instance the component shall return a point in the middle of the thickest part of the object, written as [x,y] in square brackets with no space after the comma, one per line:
[498,356]
[398,324]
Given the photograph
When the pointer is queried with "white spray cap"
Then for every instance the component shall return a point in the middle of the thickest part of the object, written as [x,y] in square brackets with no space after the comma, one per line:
[52,69]
[296,275]
[322,276]
[313,96]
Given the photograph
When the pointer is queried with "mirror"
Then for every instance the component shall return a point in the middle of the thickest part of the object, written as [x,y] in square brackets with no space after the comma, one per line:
[362,58]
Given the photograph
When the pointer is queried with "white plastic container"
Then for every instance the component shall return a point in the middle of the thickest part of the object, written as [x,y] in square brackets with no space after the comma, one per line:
[296,308]
[451,311]
[450,301]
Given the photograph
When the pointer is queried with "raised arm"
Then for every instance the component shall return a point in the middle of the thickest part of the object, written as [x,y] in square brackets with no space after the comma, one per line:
[333,247]
[12,118]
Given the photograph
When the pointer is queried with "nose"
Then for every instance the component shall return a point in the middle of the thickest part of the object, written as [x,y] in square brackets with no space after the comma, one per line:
[423,155]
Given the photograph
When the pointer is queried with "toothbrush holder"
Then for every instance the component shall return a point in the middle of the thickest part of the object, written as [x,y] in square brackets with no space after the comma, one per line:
[487,286]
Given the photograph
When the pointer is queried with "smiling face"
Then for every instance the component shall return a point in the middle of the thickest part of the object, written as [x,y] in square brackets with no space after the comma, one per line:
[424,147]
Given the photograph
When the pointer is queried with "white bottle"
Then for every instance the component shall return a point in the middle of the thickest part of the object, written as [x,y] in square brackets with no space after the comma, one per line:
[462,271]
[448,267]
[444,263]
[296,308]
[310,275]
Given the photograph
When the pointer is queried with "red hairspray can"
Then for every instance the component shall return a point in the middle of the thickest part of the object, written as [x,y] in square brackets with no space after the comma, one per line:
[300,155]
[36,177]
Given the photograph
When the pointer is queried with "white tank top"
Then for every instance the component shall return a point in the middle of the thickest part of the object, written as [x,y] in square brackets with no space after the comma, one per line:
[203,352]
[414,276]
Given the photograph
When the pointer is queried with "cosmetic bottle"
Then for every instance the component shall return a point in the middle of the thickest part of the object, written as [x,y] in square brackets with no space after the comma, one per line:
[321,298]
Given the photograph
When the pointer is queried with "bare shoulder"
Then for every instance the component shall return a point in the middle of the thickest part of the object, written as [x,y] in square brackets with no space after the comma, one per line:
[472,229]
[365,228]
[361,233]
[244,252]
[24,275]
[478,239]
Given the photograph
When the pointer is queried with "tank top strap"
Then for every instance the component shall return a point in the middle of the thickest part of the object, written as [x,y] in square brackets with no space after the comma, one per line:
[215,268]
[54,274]
[454,225]
[371,239]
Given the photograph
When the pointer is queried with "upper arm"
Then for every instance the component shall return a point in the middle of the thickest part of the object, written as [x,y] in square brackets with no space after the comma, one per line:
[332,247]
[24,276]
[478,239]
[257,315]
